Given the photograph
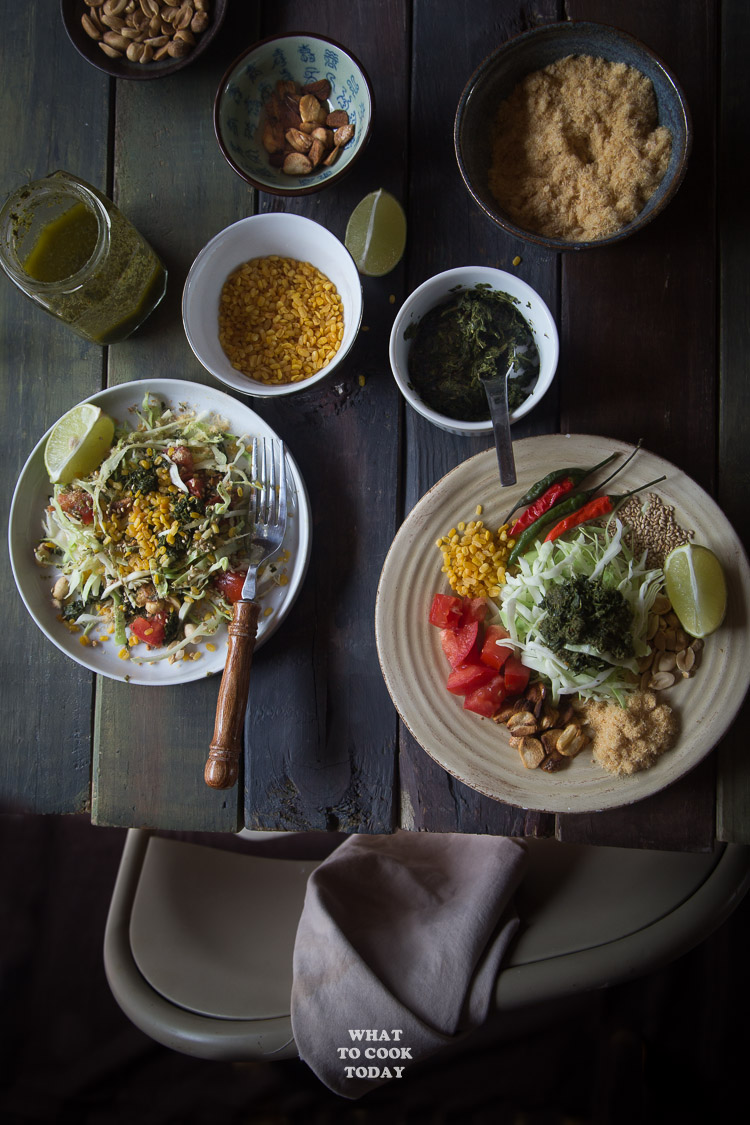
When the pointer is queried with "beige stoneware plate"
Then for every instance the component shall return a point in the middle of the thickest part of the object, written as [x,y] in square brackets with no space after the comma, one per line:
[477,751]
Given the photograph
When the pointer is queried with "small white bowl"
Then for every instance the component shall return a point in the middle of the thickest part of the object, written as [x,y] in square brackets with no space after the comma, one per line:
[438,289]
[290,236]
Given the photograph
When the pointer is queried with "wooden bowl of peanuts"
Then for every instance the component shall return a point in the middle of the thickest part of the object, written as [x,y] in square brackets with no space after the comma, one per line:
[293,113]
[141,38]
[272,304]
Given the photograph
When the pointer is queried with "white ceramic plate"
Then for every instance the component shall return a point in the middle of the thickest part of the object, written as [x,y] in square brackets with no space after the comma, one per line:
[34,582]
[477,751]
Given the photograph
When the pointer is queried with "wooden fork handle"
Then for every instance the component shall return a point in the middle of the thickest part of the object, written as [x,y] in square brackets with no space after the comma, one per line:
[222,766]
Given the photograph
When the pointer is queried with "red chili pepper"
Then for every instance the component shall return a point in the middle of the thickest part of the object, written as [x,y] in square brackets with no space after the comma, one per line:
[593,509]
[577,472]
[546,501]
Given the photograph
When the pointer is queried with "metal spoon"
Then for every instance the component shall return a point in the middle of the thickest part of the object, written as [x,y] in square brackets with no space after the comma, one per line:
[496,389]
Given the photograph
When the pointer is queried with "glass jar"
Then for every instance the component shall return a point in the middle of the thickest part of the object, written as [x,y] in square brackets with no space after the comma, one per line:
[73,253]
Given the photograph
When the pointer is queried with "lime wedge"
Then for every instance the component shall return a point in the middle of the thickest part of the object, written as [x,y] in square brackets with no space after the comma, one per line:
[696,588]
[376,233]
[78,443]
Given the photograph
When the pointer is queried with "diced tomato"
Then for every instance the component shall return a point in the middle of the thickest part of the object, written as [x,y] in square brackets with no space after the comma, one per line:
[77,502]
[494,653]
[445,611]
[183,458]
[516,675]
[486,700]
[467,677]
[230,582]
[196,486]
[473,609]
[151,628]
[460,645]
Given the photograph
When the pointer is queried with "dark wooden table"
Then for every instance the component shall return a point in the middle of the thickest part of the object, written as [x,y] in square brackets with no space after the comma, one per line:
[654,344]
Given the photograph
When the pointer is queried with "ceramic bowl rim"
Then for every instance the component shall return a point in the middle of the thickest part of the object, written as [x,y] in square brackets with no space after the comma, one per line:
[256,388]
[568,27]
[444,421]
[241,172]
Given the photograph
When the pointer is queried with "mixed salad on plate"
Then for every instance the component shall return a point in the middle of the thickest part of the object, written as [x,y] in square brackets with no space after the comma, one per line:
[566,627]
[150,548]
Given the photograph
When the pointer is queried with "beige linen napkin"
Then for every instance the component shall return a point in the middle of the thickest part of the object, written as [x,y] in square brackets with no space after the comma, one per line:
[397,951]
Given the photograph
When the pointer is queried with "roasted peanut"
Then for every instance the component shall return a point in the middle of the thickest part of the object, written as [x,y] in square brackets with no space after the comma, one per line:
[522,724]
[531,752]
[137,23]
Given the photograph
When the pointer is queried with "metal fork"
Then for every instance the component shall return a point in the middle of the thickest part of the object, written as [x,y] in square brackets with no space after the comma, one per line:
[267,511]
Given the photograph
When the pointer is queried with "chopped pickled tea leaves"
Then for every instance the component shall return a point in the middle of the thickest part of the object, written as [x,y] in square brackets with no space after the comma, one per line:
[584,611]
[470,337]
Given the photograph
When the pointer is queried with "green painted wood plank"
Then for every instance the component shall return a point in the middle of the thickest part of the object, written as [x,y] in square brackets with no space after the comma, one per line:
[54,112]
[171,180]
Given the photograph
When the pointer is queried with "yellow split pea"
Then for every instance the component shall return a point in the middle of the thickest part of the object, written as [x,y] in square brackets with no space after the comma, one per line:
[474,559]
[280,320]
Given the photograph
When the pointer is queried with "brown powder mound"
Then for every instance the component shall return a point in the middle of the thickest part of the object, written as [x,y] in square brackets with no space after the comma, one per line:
[577,151]
[628,739]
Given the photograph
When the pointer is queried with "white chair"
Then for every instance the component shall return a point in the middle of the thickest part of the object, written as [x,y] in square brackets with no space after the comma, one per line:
[198,944]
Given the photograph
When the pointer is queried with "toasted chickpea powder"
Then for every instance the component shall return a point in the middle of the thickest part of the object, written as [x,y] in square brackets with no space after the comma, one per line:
[628,739]
[577,150]
[280,320]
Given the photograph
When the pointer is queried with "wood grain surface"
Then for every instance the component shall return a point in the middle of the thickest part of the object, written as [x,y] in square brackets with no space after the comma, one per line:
[170,179]
[47,700]
[639,360]
[733,463]
[654,340]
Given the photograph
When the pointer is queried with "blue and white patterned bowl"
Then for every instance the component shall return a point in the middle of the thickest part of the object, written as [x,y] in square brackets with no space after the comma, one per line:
[238,106]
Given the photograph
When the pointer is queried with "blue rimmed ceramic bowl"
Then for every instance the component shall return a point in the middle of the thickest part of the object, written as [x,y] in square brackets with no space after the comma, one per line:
[250,80]
[494,80]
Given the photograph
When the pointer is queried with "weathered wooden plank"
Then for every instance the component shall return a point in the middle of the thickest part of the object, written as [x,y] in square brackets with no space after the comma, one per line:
[54,115]
[654,293]
[638,356]
[434,800]
[171,180]
[678,819]
[321,731]
[733,815]
[447,229]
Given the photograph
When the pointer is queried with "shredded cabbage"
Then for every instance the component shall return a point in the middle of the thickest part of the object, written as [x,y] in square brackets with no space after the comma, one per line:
[595,553]
[103,583]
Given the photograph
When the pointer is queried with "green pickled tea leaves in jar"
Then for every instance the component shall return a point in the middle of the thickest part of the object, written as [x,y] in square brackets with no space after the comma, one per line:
[71,251]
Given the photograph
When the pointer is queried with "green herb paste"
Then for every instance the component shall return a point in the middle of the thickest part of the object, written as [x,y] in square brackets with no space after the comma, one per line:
[471,337]
[584,611]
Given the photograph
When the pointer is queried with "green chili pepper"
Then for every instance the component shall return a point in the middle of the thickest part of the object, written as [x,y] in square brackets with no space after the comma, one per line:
[564,508]
[577,473]
[595,509]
